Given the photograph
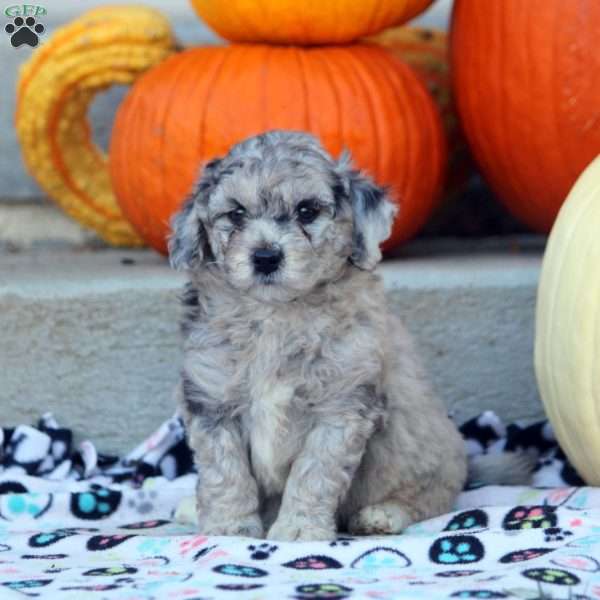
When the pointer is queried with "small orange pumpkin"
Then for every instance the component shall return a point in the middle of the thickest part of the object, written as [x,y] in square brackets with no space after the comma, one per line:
[526,80]
[307,22]
[196,104]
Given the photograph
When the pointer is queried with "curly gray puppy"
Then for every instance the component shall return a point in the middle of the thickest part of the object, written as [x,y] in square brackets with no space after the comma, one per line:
[304,401]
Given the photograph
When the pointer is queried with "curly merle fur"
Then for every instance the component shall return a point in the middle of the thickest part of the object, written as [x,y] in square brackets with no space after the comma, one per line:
[305,404]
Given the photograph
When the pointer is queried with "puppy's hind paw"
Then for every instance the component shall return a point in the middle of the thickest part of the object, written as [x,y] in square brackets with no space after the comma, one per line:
[249,526]
[300,530]
[378,519]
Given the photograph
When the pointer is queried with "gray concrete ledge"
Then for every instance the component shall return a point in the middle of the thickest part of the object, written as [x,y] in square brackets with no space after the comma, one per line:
[93,336]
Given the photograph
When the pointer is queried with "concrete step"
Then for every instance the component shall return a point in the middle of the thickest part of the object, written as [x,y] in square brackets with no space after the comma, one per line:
[93,335]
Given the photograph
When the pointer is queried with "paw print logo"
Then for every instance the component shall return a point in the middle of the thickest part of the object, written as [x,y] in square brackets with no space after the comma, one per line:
[262,551]
[458,549]
[24,31]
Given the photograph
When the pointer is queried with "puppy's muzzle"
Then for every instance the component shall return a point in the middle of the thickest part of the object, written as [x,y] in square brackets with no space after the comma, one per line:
[267,260]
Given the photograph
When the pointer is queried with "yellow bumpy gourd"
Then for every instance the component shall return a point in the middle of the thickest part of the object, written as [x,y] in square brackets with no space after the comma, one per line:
[105,46]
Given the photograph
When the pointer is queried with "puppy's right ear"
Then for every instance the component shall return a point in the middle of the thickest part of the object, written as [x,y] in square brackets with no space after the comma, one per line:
[188,243]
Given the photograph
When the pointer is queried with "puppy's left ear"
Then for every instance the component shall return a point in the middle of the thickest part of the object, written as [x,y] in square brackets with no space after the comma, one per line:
[188,242]
[372,211]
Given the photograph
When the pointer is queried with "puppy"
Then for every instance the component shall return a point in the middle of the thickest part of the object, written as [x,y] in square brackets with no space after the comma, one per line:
[304,402]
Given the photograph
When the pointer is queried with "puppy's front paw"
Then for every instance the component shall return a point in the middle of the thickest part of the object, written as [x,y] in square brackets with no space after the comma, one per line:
[301,530]
[248,526]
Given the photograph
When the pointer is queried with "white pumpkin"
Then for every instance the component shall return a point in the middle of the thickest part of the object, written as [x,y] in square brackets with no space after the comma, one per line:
[567,344]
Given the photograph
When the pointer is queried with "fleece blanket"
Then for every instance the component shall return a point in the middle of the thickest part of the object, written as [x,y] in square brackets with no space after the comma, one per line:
[78,524]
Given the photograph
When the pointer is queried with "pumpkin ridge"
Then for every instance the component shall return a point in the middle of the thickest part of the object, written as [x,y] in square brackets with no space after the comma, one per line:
[326,68]
[163,119]
[207,100]
[356,71]
[304,83]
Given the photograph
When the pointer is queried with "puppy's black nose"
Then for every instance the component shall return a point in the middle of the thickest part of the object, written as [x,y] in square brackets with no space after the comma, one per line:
[266,260]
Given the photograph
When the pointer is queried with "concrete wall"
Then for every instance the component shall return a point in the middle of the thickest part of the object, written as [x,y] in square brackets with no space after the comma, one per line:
[15,183]
[96,341]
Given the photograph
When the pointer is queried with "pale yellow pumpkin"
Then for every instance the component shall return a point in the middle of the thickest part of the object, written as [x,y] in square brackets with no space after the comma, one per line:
[567,344]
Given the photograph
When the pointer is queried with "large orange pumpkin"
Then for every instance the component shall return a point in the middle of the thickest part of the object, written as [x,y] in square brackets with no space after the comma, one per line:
[195,105]
[527,87]
[426,52]
[304,22]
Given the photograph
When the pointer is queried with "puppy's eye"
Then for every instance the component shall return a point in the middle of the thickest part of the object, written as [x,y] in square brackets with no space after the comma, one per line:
[307,211]
[237,216]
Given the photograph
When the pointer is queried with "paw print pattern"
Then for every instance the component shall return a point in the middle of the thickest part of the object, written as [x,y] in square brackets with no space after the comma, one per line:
[26,584]
[381,558]
[99,587]
[19,506]
[462,573]
[143,502]
[106,542]
[240,571]
[478,594]
[556,534]
[470,519]
[554,576]
[115,571]
[341,541]
[153,524]
[579,562]
[318,591]
[153,546]
[262,551]
[97,503]
[24,31]
[314,562]
[239,587]
[530,517]
[203,552]
[522,555]
[458,549]
[41,540]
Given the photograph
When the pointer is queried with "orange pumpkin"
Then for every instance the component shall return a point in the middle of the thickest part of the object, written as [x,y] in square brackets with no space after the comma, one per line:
[527,84]
[426,52]
[195,105]
[307,22]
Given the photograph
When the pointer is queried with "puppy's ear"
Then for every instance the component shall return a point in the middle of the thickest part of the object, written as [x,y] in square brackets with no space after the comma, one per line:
[372,211]
[188,243]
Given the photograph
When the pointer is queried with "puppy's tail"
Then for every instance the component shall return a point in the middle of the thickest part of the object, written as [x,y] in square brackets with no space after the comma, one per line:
[504,468]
